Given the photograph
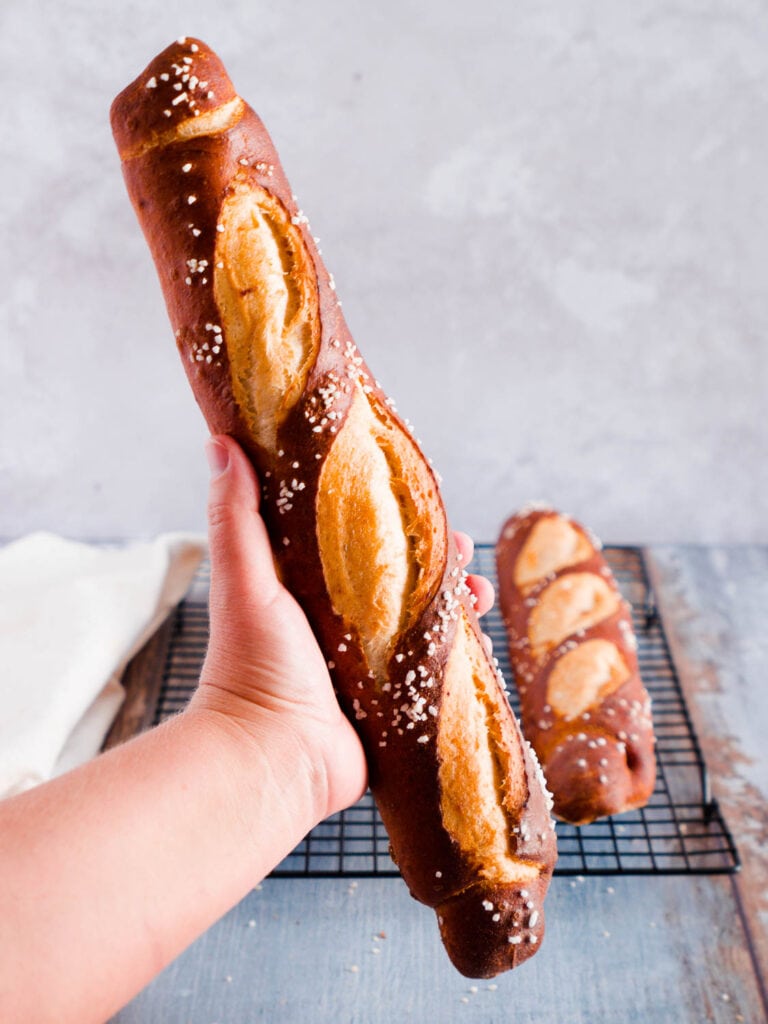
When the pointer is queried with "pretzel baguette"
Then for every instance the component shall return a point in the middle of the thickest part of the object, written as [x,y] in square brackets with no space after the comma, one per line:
[352,506]
[572,648]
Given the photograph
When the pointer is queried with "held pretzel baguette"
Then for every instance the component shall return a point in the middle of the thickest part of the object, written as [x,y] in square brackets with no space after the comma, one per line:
[572,648]
[352,507]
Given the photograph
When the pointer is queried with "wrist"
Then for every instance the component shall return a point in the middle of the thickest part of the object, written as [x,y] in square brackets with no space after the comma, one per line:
[263,752]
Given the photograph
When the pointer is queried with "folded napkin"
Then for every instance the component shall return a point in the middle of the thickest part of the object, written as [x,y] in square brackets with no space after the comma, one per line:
[72,616]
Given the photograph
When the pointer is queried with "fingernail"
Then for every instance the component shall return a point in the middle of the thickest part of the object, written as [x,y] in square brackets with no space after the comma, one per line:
[217,455]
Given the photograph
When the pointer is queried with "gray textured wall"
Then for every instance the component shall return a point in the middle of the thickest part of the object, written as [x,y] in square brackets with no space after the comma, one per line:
[547,222]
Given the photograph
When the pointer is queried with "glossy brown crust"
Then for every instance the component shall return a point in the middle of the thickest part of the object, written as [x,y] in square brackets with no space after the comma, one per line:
[177,187]
[601,762]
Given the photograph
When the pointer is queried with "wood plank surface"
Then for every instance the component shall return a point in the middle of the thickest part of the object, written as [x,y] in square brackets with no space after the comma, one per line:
[142,681]
[714,605]
[651,949]
[624,951]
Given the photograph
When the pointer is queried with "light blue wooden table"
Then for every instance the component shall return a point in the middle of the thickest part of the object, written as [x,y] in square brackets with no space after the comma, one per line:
[618,949]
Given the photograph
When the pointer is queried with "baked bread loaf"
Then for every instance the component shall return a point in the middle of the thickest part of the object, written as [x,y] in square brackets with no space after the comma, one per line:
[352,506]
[584,707]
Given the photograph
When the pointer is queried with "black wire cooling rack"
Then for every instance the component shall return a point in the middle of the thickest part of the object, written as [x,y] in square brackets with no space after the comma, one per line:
[680,831]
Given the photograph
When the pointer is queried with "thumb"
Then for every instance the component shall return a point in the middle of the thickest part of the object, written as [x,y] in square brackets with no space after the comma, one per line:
[243,574]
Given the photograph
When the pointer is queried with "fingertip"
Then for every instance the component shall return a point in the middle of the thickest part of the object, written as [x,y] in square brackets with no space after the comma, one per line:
[485,595]
[229,464]
[217,454]
[465,546]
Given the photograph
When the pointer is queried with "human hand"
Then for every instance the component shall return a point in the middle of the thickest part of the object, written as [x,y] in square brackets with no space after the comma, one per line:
[264,668]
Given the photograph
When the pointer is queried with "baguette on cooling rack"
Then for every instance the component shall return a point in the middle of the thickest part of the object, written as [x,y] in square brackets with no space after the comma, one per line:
[573,652]
[352,507]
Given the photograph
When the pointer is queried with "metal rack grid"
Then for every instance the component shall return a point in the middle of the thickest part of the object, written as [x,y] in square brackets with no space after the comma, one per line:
[680,831]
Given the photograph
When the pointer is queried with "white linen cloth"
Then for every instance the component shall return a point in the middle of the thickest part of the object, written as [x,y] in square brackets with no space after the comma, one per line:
[72,616]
